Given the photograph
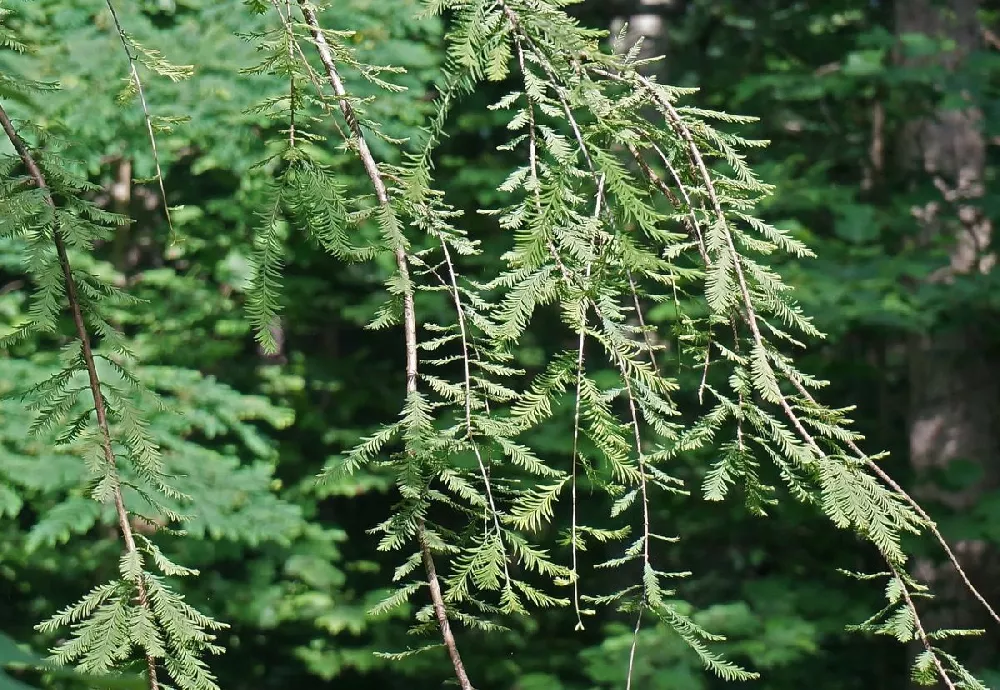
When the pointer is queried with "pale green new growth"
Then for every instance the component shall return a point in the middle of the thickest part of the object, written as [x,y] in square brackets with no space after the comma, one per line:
[609,210]
[621,198]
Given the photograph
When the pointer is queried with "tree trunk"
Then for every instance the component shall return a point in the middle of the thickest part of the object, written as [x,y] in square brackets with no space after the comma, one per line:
[954,378]
[646,23]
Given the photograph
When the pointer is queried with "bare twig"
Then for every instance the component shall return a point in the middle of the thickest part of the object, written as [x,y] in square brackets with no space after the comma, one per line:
[409,316]
[467,384]
[134,75]
[921,633]
[125,526]
[632,649]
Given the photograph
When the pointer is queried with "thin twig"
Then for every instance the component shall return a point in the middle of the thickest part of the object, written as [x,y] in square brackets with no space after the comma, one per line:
[88,358]
[409,317]
[576,432]
[134,74]
[632,649]
[460,311]
[921,633]
[292,45]
[575,461]
[693,228]
[645,506]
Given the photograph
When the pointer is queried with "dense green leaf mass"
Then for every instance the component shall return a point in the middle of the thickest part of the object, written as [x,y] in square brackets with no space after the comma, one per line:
[612,279]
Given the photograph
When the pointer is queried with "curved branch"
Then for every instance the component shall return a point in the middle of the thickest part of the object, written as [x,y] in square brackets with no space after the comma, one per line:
[672,114]
[409,316]
[35,172]
[134,76]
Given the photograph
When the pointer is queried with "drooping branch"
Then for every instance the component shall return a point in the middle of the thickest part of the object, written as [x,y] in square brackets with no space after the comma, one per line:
[685,133]
[751,319]
[920,633]
[76,311]
[409,317]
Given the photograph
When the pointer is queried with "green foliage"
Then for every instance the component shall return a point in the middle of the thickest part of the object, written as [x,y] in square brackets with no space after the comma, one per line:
[627,309]
[11,655]
[577,109]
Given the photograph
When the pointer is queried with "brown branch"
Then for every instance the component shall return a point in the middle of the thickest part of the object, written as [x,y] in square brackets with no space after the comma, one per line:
[409,317]
[920,632]
[88,358]
[990,37]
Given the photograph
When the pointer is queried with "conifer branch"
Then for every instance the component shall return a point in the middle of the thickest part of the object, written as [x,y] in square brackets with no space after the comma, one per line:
[35,172]
[533,160]
[314,77]
[554,82]
[669,110]
[409,317]
[134,76]
[568,81]
[467,384]
[521,38]
[930,524]
[751,319]
[561,96]
[919,630]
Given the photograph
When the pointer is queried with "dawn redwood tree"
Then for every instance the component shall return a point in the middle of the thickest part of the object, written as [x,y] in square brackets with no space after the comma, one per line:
[608,211]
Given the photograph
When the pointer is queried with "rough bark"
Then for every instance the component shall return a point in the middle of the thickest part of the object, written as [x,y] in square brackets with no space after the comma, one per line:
[954,376]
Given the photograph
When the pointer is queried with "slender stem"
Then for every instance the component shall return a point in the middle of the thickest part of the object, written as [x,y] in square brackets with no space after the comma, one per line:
[574,527]
[467,384]
[921,633]
[292,44]
[134,75]
[693,228]
[409,316]
[577,404]
[632,648]
[88,358]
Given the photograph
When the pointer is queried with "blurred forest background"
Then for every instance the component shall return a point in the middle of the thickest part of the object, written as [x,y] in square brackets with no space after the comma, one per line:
[884,121]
